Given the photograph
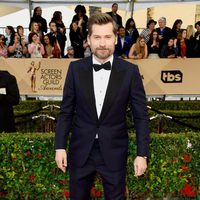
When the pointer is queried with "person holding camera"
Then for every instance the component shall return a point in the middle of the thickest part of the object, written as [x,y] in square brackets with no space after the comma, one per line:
[35,48]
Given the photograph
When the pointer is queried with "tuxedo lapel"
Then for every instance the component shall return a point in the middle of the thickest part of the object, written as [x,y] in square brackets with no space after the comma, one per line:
[115,81]
[87,84]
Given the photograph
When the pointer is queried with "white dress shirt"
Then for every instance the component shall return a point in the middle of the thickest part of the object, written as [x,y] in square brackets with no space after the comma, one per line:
[122,42]
[101,79]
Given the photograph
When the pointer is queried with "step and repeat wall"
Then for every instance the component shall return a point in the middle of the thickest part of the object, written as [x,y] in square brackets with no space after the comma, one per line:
[160,76]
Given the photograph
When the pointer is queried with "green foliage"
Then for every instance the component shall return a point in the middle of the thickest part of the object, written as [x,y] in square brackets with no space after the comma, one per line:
[28,169]
[165,174]
[175,105]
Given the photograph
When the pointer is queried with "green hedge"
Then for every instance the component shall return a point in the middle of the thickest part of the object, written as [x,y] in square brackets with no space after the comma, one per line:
[30,105]
[159,105]
[175,105]
[165,125]
[28,169]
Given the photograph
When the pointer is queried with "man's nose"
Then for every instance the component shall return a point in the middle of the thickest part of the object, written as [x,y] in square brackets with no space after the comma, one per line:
[102,42]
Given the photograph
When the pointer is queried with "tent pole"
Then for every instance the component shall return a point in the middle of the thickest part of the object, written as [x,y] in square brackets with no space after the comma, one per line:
[30,8]
[132,7]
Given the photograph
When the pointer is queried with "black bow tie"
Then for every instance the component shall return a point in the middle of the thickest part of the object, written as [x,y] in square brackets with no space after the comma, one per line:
[106,66]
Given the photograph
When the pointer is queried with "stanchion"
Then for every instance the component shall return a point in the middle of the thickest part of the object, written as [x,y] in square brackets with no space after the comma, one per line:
[50,126]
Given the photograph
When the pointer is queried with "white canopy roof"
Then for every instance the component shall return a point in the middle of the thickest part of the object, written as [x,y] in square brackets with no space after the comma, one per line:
[24,8]
[137,3]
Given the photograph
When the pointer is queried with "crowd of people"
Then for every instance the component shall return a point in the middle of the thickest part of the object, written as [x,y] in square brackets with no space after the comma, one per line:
[48,40]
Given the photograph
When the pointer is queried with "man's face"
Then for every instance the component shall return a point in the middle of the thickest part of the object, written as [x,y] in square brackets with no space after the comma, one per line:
[198,28]
[39,11]
[122,32]
[161,23]
[170,42]
[53,27]
[114,8]
[71,52]
[102,41]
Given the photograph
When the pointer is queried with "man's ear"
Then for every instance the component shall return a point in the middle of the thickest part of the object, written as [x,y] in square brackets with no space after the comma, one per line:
[88,40]
[115,40]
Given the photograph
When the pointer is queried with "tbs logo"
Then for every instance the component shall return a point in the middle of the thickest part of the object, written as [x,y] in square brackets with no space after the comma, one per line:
[173,76]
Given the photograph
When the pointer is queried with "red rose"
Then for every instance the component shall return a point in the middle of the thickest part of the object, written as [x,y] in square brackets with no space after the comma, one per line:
[2,194]
[32,178]
[63,182]
[66,193]
[92,191]
[98,193]
[187,158]
[188,191]
[40,156]
[184,168]
[28,153]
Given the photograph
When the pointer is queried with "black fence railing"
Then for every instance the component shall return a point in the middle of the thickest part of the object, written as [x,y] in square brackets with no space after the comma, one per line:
[48,118]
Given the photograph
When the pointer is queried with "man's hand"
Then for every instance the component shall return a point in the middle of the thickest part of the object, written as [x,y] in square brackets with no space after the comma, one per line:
[140,165]
[61,159]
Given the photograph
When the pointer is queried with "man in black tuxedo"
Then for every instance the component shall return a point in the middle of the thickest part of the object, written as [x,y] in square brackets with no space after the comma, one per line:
[116,17]
[97,91]
[9,96]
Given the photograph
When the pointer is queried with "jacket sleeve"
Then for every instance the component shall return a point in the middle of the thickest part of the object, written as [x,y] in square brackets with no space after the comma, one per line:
[67,111]
[140,114]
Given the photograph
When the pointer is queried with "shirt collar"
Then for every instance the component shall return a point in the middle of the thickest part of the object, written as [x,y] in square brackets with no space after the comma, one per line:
[95,61]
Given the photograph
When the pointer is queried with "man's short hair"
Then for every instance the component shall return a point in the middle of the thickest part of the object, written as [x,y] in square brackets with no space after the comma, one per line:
[100,19]
[114,4]
[197,23]
[120,27]
[52,22]
[162,19]
[70,48]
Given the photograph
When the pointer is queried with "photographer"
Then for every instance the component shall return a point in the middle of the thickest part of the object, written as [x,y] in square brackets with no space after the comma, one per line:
[9,96]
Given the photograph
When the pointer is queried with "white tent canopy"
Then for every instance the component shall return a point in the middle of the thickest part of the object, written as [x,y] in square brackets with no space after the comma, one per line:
[10,10]
[123,3]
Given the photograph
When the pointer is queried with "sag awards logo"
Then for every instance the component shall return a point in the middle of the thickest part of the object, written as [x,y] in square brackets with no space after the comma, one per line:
[33,68]
[51,79]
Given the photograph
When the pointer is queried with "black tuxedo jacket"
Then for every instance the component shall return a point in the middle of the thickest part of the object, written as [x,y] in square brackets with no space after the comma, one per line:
[7,101]
[125,85]
[167,34]
[119,18]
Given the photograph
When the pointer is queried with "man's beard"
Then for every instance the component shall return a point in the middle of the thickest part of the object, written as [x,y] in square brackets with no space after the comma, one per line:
[103,53]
